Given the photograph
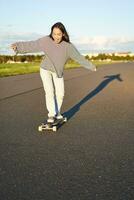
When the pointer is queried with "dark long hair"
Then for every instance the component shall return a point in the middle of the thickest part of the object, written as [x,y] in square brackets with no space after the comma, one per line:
[63,30]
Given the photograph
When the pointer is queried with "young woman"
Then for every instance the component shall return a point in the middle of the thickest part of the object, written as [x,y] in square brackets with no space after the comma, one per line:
[58,49]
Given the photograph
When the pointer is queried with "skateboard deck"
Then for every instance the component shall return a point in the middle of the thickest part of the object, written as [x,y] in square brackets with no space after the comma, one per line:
[52,126]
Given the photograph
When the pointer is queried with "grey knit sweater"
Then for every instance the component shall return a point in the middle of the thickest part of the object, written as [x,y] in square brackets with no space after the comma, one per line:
[56,55]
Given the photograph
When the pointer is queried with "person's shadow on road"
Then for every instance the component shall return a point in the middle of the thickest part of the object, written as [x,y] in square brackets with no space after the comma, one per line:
[72,111]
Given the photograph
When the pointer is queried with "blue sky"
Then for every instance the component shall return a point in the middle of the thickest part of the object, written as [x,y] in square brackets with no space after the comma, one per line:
[92,25]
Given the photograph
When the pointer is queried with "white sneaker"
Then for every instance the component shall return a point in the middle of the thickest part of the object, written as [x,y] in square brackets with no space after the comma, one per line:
[59,116]
[51,120]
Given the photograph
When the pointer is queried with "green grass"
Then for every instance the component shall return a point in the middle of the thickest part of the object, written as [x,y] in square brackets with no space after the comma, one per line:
[18,68]
[26,68]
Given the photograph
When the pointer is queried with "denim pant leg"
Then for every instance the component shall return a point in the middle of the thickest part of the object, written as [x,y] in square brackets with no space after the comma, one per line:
[48,85]
[59,91]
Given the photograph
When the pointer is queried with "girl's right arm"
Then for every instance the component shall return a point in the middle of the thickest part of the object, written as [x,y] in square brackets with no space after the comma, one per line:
[29,47]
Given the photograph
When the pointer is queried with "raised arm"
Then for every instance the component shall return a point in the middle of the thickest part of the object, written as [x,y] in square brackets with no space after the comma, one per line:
[30,46]
[75,55]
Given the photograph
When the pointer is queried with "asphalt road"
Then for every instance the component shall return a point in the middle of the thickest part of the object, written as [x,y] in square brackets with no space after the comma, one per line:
[91,157]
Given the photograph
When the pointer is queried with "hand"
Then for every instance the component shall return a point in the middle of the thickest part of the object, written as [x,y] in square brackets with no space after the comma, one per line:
[95,69]
[14,47]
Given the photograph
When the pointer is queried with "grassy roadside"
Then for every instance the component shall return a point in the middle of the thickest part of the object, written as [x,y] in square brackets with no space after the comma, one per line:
[26,68]
[18,68]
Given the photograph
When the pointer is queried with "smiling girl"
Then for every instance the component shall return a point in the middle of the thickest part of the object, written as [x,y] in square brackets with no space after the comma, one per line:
[57,49]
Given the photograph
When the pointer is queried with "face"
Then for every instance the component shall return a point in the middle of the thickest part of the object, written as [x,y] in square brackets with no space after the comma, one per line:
[57,35]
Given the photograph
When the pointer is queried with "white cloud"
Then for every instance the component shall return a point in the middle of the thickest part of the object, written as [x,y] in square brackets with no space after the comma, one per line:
[104,43]
[8,36]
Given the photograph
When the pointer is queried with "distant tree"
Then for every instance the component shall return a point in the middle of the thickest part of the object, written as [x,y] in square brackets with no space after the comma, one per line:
[23,58]
[87,57]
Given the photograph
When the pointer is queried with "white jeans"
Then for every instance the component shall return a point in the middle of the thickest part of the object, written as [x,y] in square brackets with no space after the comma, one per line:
[54,91]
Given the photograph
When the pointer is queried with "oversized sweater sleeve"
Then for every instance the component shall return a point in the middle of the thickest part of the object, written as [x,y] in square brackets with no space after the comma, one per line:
[74,54]
[31,46]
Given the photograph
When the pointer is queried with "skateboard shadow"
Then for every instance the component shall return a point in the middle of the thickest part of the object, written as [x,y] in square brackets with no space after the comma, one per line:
[108,79]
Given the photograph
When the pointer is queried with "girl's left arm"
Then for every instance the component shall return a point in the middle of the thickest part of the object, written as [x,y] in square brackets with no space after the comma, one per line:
[75,55]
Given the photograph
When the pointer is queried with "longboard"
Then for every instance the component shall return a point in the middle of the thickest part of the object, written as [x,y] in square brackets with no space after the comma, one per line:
[52,126]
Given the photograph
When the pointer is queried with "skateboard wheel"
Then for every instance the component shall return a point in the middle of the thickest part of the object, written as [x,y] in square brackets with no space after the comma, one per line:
[54,128]
[65,119]
[40,128]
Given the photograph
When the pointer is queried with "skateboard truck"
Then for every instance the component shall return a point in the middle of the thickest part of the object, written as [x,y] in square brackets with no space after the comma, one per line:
[52,126]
